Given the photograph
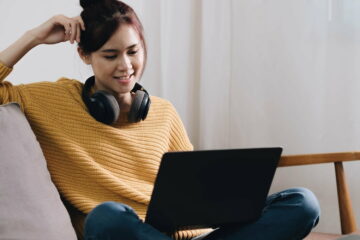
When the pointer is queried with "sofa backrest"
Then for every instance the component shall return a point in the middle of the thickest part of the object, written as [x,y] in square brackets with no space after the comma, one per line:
[30,205]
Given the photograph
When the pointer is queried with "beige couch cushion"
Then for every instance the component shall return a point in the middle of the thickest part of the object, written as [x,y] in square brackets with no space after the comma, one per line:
[30,205]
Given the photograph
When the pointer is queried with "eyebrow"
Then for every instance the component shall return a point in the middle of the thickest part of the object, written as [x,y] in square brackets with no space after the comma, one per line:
[116,50]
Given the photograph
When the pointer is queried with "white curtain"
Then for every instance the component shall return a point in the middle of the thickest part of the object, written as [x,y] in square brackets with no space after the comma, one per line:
[258,73]
[241,73]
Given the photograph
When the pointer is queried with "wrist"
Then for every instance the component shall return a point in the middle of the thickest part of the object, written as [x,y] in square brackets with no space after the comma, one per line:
[12,54]
[30,40]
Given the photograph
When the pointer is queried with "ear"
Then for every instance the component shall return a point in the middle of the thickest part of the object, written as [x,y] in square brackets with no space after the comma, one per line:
[85,57]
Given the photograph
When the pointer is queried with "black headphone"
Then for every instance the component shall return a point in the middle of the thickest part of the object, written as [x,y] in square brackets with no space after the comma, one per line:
[104,108]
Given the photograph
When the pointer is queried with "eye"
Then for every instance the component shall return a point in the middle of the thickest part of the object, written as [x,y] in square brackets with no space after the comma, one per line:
[111,57]
[132,52]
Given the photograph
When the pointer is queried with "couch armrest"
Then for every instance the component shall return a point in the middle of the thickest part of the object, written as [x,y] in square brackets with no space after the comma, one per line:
[347,217]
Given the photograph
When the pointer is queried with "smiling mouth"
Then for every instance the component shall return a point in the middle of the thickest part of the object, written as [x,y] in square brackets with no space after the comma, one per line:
[124,79]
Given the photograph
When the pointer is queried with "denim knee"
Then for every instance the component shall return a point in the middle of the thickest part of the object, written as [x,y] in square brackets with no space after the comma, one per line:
[110,218]
[308,204]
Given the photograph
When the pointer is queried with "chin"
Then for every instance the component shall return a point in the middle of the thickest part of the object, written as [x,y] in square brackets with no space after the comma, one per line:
[124,89]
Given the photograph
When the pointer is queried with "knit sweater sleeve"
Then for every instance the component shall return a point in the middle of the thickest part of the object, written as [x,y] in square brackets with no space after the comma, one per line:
[179,139]
[8,92]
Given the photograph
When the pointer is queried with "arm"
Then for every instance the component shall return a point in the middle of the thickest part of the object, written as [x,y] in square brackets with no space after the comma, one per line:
[55,30]
[17,50]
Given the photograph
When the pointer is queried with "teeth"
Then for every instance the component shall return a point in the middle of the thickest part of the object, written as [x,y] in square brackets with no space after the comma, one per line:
[123,77]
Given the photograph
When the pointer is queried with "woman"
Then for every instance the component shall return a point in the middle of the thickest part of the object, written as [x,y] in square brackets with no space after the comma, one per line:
[104,161]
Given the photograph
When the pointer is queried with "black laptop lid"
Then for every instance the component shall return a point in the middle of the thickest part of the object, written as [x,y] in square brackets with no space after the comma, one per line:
[211,188]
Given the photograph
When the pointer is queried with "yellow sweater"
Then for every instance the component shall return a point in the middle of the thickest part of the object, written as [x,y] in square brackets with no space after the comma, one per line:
[91,162]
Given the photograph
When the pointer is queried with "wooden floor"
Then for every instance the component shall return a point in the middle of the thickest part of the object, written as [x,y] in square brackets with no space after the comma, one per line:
[324,236]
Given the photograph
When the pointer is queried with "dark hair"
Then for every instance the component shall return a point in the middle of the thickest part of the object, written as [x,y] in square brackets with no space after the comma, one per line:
[102,18]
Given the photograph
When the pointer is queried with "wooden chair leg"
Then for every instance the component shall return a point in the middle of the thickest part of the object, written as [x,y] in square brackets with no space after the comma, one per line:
[347,218]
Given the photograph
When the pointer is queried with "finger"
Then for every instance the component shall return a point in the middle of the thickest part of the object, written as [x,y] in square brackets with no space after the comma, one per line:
[64,22]
[73,31]
[67,28]
[82,24]
[78,30]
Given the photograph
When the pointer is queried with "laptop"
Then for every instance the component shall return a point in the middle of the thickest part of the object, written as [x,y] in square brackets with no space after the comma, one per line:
[211,188]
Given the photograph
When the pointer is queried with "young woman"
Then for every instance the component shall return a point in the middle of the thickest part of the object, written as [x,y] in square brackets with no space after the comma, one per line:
[103,140]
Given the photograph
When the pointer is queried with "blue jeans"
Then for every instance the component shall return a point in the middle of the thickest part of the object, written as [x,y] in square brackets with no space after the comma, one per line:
[288,215]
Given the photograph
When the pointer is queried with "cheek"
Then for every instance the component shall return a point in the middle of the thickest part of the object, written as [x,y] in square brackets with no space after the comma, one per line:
[140,59]
[102,67]
[139,63]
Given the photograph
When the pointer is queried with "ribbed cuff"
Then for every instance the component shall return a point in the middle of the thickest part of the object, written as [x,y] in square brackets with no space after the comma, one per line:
[4,71]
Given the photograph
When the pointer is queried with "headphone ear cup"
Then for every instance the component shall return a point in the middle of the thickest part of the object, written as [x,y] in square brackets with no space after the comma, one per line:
[138,106]
[104,107]
[145,105]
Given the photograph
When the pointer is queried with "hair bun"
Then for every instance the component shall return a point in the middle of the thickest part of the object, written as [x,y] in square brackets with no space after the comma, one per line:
[88,3]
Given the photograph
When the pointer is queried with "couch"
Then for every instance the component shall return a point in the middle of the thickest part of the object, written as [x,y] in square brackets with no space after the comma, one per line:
[31,207]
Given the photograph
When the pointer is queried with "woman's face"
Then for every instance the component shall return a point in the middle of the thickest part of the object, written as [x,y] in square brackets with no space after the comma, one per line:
[119,63]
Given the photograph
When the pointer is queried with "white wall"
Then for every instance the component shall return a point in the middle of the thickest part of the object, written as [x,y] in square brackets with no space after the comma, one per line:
[242,73]
[45,63]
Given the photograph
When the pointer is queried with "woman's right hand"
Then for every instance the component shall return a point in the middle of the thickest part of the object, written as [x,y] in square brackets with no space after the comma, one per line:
[58,29]
[55,30]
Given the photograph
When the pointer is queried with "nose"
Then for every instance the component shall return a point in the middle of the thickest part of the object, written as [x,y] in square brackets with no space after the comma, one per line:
[124,64]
